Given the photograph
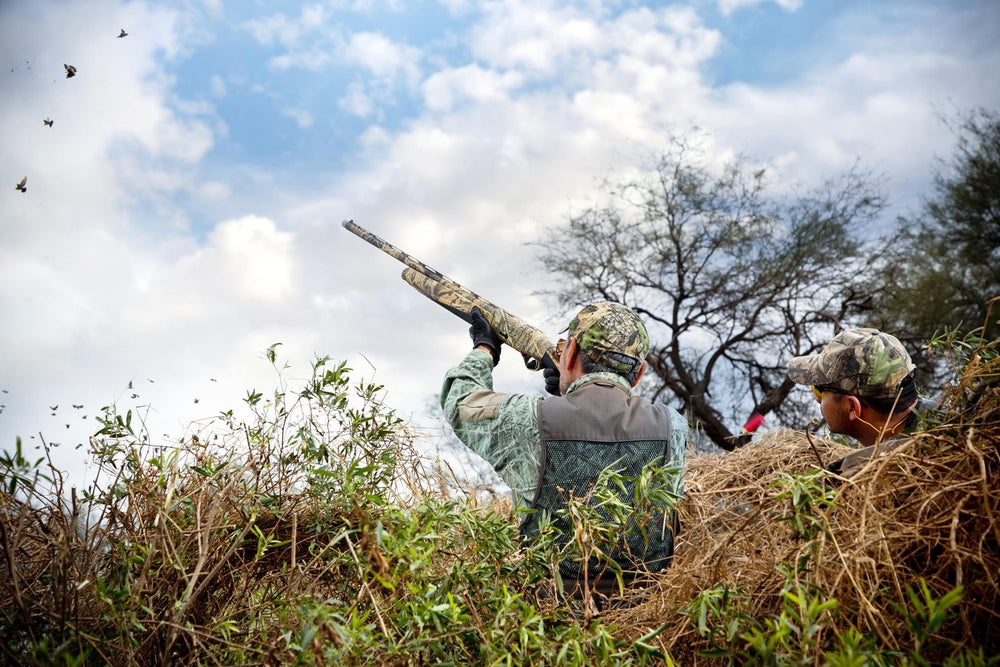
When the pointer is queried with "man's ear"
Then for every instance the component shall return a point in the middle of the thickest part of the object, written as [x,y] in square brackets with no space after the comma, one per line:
[572,352]
[853,407]
[638,376]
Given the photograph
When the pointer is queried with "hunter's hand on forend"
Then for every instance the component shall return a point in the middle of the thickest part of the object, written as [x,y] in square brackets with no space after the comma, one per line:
[482,333]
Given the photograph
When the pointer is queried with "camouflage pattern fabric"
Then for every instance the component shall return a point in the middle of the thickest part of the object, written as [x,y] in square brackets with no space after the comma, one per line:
[503,428]
[863,362]
[612,335]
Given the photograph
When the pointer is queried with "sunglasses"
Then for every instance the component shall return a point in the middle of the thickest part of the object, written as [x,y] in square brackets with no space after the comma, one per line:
[820,392]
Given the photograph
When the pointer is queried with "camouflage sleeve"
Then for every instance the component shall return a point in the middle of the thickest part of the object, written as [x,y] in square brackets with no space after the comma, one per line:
[501,428]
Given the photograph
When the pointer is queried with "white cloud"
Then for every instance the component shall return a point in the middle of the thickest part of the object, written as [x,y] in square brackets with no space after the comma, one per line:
[280,29]
[727,7]
[311,59]
[444,89]
[541,40]
[308,39]
[214,7]
[245,258]
[375,137]
[356,100]
[879,103]
[215,191]
[218,87]
[381,56]
[302,117]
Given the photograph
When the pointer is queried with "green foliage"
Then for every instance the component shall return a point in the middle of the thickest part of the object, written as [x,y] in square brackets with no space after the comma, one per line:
[719,615]
[944,264]
[925,614]
[616,512]
[799,633]
[299,535]
[807,496]
[20,474]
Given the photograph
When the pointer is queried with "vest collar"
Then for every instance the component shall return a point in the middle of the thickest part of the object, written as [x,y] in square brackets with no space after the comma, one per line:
[590,378]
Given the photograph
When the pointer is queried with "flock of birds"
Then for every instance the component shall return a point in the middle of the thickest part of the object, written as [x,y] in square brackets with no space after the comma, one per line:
[54,409]
[22,186]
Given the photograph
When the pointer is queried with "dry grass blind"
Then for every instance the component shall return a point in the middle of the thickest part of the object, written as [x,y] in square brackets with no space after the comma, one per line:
[929,510]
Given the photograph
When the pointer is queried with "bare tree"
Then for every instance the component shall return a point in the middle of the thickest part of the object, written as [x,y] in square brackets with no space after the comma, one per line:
[731,280]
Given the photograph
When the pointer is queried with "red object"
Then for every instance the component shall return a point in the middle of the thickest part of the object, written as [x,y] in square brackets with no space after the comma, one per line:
[756,419]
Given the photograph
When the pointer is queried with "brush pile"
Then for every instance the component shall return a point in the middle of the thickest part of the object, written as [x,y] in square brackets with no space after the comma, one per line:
[909,548]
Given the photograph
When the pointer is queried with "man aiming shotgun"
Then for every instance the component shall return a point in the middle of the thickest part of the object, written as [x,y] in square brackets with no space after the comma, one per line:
[548,448]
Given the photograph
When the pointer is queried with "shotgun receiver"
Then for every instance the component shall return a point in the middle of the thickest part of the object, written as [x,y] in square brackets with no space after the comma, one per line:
[531,342]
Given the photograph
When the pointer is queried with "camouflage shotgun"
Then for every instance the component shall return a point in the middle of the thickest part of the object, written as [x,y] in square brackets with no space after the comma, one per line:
[531,342]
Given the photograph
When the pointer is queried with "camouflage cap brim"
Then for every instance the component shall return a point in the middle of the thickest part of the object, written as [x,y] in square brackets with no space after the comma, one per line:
[863,361]
[807,370]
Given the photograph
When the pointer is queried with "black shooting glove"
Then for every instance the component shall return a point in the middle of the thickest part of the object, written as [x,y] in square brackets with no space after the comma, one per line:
[551,374]
[482,333]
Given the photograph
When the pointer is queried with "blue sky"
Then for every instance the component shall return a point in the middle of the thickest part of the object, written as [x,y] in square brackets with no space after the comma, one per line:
[183,212]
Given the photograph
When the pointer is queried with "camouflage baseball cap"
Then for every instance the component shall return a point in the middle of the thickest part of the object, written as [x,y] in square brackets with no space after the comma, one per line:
[612,335]
[864,362]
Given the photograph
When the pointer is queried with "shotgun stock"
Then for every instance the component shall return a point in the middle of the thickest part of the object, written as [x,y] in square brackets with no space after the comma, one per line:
[534,346]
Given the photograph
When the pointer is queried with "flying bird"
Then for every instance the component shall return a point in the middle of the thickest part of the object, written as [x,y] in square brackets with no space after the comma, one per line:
[48,121]
[53,408]
[122,34]
[70,71]
[23,185]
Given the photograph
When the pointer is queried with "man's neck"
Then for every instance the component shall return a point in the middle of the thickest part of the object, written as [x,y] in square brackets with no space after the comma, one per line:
[875,428]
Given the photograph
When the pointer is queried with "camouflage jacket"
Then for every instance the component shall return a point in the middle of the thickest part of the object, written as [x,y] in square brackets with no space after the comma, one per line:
[503,428]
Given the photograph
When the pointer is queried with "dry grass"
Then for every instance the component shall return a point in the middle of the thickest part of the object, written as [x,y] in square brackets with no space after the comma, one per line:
[928,511]
[199,550]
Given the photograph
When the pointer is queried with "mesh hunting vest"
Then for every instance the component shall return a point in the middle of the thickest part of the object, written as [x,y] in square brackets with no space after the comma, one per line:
[597,426]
